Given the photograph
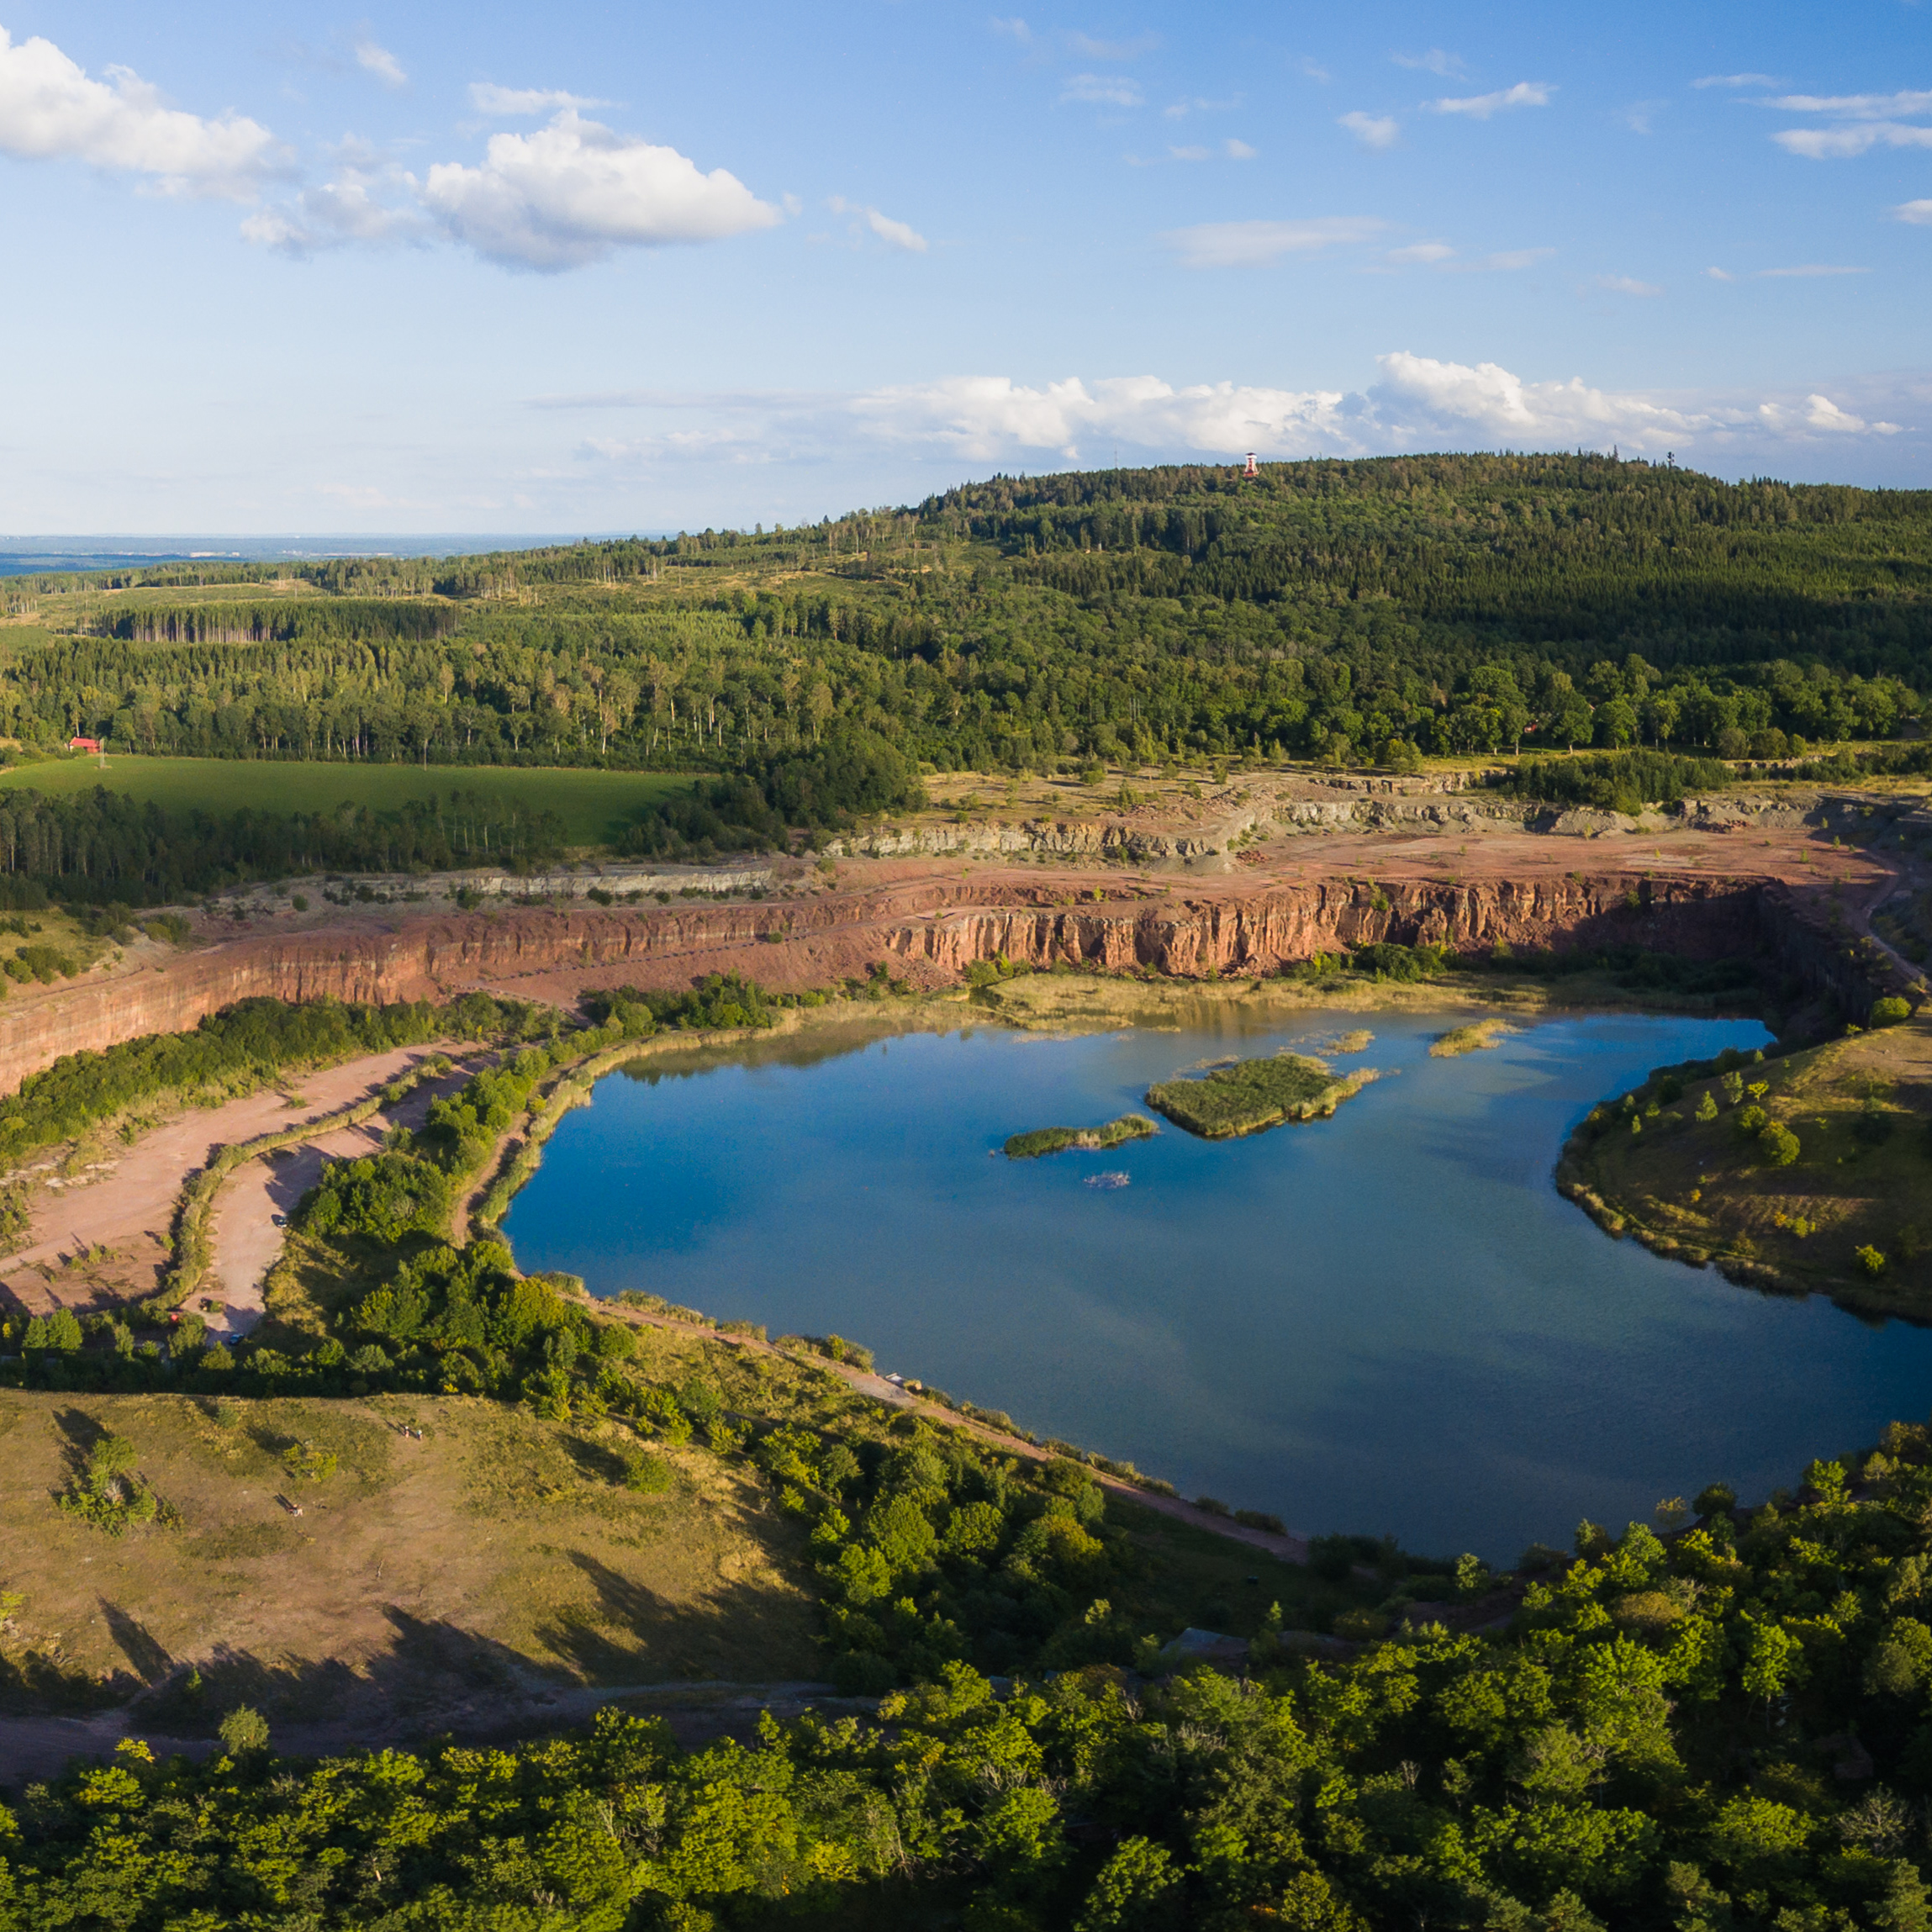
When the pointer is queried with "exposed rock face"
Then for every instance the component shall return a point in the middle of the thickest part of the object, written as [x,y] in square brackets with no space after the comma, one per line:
[1261,931]
[934,928]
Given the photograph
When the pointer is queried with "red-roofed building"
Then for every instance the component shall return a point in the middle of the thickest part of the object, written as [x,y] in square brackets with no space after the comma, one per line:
[84,744]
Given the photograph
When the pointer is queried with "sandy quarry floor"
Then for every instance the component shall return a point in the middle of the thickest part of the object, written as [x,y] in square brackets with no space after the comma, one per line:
[125,1204]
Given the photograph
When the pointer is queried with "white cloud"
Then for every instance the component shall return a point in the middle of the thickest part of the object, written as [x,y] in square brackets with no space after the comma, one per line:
[1313,71]
[1627,285]
[1858,107]
[340,211]
[50,109]
[1513,258]
[1823,414]
[1180,109]
[1838,144]
[1017,27]
[1113,49]
[1422,251]
[1736,81]
[511,104]
[1918,211]
[1480,107]
[1720,275]
[1435,62]
[1248,244]
[381,63]
[571,192]
[1107,90]
[1805,272]
[1238,150]
[1639,115]
[1191,154]
[1374,131]
[894,233]
[1491,400]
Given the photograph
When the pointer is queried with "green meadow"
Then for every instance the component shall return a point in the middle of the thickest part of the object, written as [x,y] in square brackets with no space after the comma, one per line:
[593,806]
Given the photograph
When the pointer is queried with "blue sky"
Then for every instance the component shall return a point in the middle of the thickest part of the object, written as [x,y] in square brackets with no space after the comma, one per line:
[579,268]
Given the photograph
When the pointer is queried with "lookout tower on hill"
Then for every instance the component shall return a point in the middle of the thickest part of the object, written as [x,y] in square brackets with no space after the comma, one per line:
[1252,470]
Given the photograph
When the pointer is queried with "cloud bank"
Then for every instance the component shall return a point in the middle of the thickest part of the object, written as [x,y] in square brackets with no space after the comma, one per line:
[1416,403]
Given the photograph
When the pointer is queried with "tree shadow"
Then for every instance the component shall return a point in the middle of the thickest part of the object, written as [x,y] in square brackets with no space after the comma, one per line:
[79,1432]
[147,1654]
[432,1670]
[634,1635]
[595,1461]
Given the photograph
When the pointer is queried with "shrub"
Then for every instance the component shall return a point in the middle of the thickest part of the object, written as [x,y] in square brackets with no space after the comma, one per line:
[1332,1557]
[1751,1121]
[244,1729]
[1261,1519]
[1779,1144]
[1890,1011]
[1869,1260]
[305,1463]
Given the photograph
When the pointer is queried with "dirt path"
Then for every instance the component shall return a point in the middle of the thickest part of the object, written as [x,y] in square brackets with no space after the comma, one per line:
[127,1203]
[699,1713]
[246,1229]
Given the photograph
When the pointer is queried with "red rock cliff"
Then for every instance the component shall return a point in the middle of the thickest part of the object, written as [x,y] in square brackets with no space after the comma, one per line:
[931,927]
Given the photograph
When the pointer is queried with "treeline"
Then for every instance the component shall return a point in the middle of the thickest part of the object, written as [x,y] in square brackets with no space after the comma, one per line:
[104,847]
[280,620]
[1324,610]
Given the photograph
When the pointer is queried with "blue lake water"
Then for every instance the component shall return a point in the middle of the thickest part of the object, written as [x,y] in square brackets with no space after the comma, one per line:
[1388,1322]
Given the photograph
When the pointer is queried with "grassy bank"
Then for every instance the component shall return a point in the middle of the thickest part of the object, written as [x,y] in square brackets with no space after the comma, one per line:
[1807,1171]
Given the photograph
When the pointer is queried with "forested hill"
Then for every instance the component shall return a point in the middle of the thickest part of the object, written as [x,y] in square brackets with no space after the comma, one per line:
[1335,610]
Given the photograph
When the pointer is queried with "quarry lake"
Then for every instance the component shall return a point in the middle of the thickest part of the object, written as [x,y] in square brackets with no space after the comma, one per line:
[1388,1322]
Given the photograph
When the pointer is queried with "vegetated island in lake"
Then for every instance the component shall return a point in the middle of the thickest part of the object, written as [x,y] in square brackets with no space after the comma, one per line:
[1057,1140]
[1483,1035]
[1252,1096]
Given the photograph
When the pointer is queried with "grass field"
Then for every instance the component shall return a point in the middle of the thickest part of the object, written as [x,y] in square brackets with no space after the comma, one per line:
[593,806]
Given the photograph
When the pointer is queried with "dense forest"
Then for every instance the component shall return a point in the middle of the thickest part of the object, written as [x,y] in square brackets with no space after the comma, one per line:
[1322,611]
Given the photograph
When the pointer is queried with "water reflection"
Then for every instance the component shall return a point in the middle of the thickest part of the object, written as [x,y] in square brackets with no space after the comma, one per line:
[1388,1321]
